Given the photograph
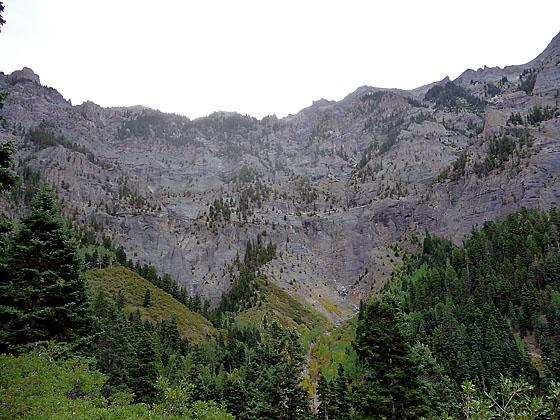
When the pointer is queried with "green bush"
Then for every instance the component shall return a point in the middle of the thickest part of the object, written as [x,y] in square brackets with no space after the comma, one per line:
[34,386]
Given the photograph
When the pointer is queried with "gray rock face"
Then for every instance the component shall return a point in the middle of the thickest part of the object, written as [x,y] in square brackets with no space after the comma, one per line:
[333,186]
[25,75]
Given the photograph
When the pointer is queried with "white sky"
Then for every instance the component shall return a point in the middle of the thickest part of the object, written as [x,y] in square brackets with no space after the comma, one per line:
[262,57]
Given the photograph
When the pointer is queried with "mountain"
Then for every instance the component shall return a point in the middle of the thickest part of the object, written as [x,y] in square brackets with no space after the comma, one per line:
[335,186]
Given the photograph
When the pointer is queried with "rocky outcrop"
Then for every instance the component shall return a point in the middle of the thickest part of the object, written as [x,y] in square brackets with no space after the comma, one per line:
[25,75]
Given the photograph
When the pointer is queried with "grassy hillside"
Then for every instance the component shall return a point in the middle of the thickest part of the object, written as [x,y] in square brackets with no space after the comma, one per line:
[289,311]
[117,279]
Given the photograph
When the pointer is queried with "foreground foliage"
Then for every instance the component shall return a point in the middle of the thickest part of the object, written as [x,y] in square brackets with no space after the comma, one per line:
[512,400]
[35,386]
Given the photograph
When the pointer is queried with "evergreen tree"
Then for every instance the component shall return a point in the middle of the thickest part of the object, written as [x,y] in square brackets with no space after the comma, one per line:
[342,400]
[474,305]
[196,303]
[289,398]
[114,351]
[324,395]
[44,295]
[145,370]
[120,256]
[147,299]
[7,176]
[170,340]
[235,394]
[390,385]
[361,310]
[2,21]
[438,389]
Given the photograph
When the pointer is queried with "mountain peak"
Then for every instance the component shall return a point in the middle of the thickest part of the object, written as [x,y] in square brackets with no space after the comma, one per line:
[24,75]
[421,90]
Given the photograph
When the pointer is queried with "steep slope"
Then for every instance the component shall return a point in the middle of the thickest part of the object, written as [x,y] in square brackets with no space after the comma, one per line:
[277,304]
[116,279]
[333,186]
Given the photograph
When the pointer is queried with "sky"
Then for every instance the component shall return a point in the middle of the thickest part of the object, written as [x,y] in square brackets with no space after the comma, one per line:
[261,57]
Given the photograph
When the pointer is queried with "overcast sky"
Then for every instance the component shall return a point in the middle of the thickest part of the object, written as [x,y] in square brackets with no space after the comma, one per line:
[261,57]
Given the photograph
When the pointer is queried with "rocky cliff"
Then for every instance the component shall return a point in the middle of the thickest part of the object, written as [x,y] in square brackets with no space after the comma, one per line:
[333,186]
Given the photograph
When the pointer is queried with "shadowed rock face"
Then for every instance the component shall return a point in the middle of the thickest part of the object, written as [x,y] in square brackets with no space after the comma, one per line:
[332,186]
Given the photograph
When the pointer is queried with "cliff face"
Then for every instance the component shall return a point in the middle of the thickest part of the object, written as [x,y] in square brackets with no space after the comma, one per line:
[332,186]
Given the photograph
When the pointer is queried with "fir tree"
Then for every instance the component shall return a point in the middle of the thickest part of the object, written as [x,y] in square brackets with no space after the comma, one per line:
[114,351]
[44,293]
[145,370]
[342,400]
[2,21]
[171,342]
[324,395]
[235,394]
[390,388]
[147,299]
[7,176]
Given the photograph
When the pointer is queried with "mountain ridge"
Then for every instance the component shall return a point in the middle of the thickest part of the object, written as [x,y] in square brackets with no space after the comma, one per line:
[335,186]
[552,49]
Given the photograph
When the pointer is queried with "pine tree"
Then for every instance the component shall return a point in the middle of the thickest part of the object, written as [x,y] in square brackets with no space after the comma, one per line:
[291,399]
[114,351]
[342,400]
[390,387]
[235,394]
[324,396]
[147,299]
[7,176]
[437,387]
[7,180]
[120,256]
[361,310]
[196,303]
[171,342]
[2,21]
[145,371]
[43,290]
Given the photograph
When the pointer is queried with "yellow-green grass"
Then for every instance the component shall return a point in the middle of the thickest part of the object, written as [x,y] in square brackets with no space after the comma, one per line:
[331,349]
[287,310]
[115,279]
[329,306]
